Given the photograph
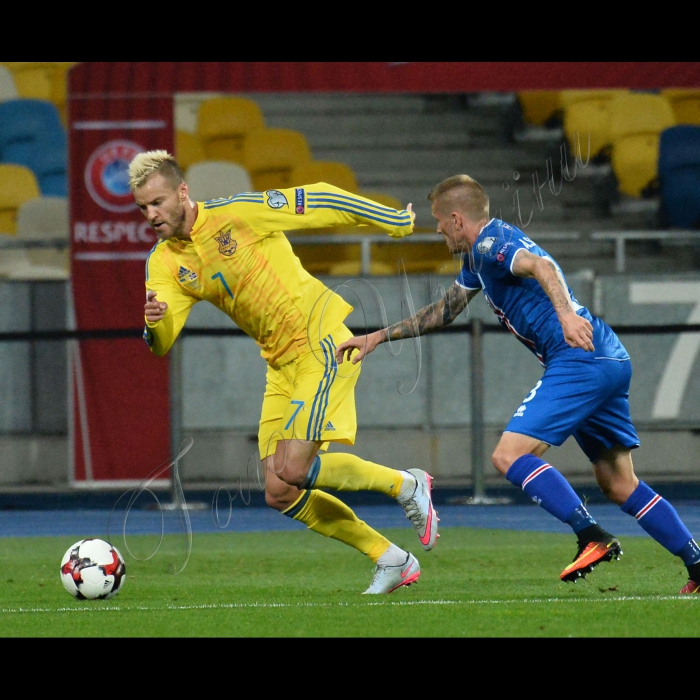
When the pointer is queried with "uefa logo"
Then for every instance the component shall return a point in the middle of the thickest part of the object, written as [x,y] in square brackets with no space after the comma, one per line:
[107,175]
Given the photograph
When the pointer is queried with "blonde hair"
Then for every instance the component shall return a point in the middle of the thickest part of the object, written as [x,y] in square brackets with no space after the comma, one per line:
[461,192]
[149,162]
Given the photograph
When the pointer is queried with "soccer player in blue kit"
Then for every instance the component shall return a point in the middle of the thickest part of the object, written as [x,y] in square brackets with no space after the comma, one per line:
[584,390]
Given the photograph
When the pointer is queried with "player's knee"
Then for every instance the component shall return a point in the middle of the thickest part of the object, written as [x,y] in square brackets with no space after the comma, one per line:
[501,460]
[292,472]
[274,501]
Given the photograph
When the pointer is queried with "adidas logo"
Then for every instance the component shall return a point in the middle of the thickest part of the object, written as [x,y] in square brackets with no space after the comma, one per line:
[329,426]
[186,276]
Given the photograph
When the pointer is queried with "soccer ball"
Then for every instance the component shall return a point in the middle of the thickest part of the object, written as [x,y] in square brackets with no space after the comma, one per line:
[93,569]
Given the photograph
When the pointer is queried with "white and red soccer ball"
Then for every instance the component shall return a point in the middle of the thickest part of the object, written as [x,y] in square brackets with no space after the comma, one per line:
[93,569]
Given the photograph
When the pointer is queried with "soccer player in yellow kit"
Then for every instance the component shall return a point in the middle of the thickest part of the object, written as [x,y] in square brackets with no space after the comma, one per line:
[232,252]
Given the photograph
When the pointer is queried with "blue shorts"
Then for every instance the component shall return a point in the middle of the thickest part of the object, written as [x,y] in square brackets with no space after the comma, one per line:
[588,399]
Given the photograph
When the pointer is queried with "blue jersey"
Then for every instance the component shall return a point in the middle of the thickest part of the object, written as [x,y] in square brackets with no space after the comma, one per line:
[521,304]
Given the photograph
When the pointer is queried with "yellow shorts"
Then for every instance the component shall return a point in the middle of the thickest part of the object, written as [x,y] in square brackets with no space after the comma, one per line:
[310,398]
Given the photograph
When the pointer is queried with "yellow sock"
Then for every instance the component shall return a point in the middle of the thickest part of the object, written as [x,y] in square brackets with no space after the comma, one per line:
[330,517]
[341,471]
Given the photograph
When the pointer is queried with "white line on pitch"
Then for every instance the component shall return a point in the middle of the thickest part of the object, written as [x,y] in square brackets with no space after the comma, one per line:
[93,606]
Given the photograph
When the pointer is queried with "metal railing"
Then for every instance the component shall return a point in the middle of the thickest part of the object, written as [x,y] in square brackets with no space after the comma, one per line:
[620,239]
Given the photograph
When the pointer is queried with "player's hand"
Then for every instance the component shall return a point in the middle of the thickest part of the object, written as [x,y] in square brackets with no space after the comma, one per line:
[363,344]
[154,310]
[578,332]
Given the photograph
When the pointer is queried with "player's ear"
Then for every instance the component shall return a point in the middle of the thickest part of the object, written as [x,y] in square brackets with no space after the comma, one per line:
[184,191]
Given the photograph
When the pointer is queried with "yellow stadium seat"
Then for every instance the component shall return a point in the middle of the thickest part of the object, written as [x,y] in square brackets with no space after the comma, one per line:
[224,122]
[43,80]
[32,78]
[635,113]
[539,106]
[17,184]
[334,173]
[270,156]
[685,104]
[635,163]
[353,268]
[320,258]
[636,122]
[586,115]
[188,149]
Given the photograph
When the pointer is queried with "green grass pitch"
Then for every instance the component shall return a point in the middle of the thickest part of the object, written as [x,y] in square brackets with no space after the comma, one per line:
[475,583]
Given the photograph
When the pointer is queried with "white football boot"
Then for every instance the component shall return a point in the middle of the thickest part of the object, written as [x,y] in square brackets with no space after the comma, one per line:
[388,578]
[419,508]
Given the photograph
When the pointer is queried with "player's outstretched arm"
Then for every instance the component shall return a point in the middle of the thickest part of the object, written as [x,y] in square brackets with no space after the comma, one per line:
[436,315]
[578,332]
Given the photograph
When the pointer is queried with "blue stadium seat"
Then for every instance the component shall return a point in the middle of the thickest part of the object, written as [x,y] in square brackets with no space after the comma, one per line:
[49,161]
[22,122]
[679,177]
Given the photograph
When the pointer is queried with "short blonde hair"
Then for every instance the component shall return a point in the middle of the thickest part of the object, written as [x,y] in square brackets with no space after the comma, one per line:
[149,162]
[461,192]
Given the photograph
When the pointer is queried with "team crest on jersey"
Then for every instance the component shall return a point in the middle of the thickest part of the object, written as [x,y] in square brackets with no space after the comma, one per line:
[226,245]
[486,245]
[276,200]
[299,203]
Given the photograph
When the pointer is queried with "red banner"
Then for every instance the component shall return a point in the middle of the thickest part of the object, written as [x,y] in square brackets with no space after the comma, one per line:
[168,77]
[121,414]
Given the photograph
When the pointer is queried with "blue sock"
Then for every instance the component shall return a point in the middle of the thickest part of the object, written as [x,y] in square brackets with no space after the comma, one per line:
[312,474]
[660,520]
[549,489]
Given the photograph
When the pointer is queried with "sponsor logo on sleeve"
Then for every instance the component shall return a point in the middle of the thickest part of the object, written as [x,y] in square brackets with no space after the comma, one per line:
[299,200]
[276,200]
[485,245]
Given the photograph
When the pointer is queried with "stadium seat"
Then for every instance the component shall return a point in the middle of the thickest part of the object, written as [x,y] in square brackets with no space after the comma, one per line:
[636,122]
[223,123]
[685,104]
[332,172]
[188,149]
[679,177]
[353,268]
[415,257]
[8,89]
[270,155]
[43,80]
[23,122]
[585,113]
[32,78]
[539,107]
[383,198]
[211,179]
[49,162]
[46,220]
[17,184]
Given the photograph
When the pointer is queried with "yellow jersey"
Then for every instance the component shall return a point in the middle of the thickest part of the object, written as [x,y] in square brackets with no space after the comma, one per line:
[240,260]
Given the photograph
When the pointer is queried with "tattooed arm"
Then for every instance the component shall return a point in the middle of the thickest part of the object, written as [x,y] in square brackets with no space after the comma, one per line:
[578,332]
[436,315]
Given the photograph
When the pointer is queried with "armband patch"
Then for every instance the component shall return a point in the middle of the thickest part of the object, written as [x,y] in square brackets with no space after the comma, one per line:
[299,200]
